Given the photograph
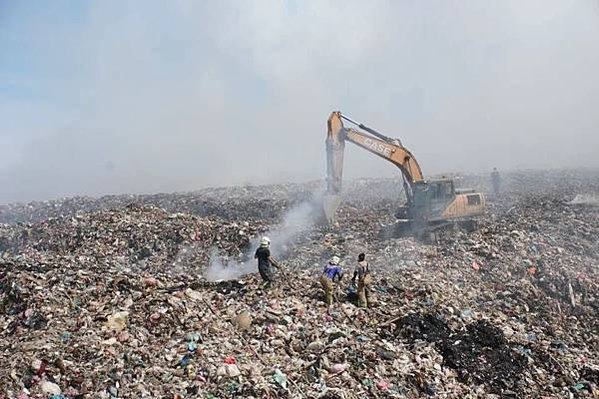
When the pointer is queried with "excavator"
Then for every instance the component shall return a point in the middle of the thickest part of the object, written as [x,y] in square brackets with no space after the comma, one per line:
[431,204]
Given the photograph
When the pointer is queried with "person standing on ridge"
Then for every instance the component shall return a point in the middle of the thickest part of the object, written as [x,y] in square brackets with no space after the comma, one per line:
[265,260]
[496,181]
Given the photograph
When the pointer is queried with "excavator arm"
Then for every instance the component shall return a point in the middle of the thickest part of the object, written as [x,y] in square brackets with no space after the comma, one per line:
[387,148]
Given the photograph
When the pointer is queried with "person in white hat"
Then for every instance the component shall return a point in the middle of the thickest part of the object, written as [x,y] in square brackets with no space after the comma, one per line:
[331,272]
[265,260]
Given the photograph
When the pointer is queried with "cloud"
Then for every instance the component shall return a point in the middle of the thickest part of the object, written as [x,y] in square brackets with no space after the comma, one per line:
[129,97]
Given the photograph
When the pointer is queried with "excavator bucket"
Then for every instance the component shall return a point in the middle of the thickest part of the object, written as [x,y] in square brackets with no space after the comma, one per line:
[330,203]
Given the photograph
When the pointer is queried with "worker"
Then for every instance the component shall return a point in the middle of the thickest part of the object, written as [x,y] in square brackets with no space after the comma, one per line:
[265,260]
[331,272]
[362,273]
[495,181]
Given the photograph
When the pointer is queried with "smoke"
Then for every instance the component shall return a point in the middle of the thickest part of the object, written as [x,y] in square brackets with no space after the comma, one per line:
[116,97]
[295,221]
[220,269]
[585,199]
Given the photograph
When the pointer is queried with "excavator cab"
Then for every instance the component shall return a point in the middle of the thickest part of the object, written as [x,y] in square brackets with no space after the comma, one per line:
[431,199]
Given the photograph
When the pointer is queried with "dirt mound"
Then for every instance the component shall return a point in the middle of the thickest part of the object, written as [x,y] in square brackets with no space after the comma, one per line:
[480,354]
[427,327]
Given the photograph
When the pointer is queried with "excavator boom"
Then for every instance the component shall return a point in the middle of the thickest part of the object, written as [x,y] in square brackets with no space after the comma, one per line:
[372,141]
[427,201]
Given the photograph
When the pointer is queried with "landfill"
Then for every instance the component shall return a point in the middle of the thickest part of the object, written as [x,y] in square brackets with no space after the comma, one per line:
[109,297]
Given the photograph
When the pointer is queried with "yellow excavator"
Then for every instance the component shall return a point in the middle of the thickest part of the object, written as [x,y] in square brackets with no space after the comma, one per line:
[431,204]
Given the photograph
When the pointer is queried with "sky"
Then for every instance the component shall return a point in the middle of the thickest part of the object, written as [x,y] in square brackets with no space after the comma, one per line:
[106,97]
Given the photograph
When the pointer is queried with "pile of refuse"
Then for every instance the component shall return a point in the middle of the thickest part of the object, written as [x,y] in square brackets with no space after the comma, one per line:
[114,303]
[227,203]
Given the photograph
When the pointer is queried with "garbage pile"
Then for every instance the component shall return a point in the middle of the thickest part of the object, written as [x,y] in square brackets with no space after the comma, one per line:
[113,303]
[227,203]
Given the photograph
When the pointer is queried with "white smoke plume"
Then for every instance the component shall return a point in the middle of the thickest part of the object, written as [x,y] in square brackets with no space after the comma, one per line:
[220,269]
[295,221]
[486,84]
[586,199]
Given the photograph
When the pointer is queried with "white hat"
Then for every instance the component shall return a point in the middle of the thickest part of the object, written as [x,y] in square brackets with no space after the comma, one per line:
[264,242]
[334,260]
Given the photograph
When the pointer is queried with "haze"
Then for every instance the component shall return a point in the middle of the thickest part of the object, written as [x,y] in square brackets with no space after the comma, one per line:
[100,97]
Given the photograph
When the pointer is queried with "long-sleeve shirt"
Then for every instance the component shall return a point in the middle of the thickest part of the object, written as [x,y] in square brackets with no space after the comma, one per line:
[332,271]
[263,256]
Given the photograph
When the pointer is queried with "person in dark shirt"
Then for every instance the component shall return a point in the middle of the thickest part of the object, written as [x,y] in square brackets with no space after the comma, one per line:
[265,260]
[362,273]
[331,272]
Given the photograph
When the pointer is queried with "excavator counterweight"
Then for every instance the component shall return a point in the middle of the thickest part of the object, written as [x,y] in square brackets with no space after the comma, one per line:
[429,202]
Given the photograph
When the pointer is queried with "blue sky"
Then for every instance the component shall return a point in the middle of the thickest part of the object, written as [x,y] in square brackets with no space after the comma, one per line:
[108,97]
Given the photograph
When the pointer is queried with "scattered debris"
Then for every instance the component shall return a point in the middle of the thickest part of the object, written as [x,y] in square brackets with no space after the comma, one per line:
[106,298]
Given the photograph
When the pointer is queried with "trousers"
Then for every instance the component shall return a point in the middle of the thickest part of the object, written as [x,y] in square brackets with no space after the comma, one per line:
[327,285]
[364,291]
[265,272]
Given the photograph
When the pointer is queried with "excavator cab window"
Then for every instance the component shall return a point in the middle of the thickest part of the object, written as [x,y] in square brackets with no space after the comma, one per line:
[473,199]
[441,191]
[448,190]
[421,192]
